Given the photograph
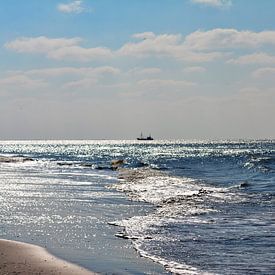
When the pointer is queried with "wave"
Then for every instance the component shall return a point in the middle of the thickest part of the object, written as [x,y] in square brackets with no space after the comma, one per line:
[177,200]
[263,163]
[159,188]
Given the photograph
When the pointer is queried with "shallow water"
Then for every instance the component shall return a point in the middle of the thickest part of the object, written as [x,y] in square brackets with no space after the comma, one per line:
[194,207]
[66,208]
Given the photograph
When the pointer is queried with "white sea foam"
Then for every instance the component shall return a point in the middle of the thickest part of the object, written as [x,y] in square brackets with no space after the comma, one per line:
[177,201]
[158,188]
[136,228]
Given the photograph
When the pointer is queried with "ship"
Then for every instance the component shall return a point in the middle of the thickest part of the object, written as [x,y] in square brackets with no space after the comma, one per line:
[145,138]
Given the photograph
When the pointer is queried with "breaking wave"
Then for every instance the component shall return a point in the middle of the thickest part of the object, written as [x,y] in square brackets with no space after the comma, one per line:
[177,201]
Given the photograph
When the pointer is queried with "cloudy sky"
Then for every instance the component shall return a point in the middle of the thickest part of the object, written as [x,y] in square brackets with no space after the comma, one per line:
[92,69]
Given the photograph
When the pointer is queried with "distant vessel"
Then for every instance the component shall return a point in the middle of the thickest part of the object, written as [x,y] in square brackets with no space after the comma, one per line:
[145,138]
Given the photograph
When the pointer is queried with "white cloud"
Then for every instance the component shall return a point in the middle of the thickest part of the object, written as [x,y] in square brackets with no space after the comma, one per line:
[145,71]
[165,83]
[164,45]
[194,69]
[148,44]
[58,48]
[82,84]
[62,71]
[106,69]
[152,44]
[213,3]
[264,72]
[40,44]
[197,47]
[255,58]
[73,7]
[77,53]
[19,82]
[67,78]
[228,38]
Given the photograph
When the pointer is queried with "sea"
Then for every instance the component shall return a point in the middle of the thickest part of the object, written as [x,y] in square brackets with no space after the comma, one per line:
[143,207]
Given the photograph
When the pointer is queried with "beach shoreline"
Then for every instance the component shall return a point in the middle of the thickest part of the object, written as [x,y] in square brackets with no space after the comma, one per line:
[23,258]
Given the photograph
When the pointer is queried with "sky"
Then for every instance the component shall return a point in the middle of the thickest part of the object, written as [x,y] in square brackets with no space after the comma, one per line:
[110,69]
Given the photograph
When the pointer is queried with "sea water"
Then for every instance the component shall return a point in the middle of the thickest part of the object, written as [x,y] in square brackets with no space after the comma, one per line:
[193,207]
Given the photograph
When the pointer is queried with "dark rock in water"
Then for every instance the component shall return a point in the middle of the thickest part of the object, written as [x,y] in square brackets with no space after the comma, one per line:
[116,163]
[113,223]
[6,159]
[14,159]
[244,184]
[87,164]
[28,159]
[103,168]
[64,164]
[159,168]
[148,238]
[121,235]
[124,236]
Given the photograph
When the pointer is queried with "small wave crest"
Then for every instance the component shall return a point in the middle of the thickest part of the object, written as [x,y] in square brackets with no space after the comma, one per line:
[159,188]
[264,164]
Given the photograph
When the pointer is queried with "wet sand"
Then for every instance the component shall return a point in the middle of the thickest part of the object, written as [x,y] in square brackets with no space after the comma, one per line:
[24,259]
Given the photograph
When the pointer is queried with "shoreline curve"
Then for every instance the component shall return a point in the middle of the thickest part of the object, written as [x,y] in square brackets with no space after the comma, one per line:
[23,258]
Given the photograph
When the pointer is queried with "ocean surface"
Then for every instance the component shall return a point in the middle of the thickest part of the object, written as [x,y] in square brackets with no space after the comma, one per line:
[184,207]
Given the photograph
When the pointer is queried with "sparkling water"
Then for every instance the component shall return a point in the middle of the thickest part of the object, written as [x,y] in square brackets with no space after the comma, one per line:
[194,207]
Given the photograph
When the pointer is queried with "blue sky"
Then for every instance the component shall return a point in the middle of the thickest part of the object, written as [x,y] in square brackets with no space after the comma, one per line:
[110,69]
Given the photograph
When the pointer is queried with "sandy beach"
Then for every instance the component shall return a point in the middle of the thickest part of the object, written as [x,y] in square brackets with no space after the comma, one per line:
[22,258]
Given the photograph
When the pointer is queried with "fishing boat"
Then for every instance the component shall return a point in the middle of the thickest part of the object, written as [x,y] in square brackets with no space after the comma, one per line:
[145,138]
